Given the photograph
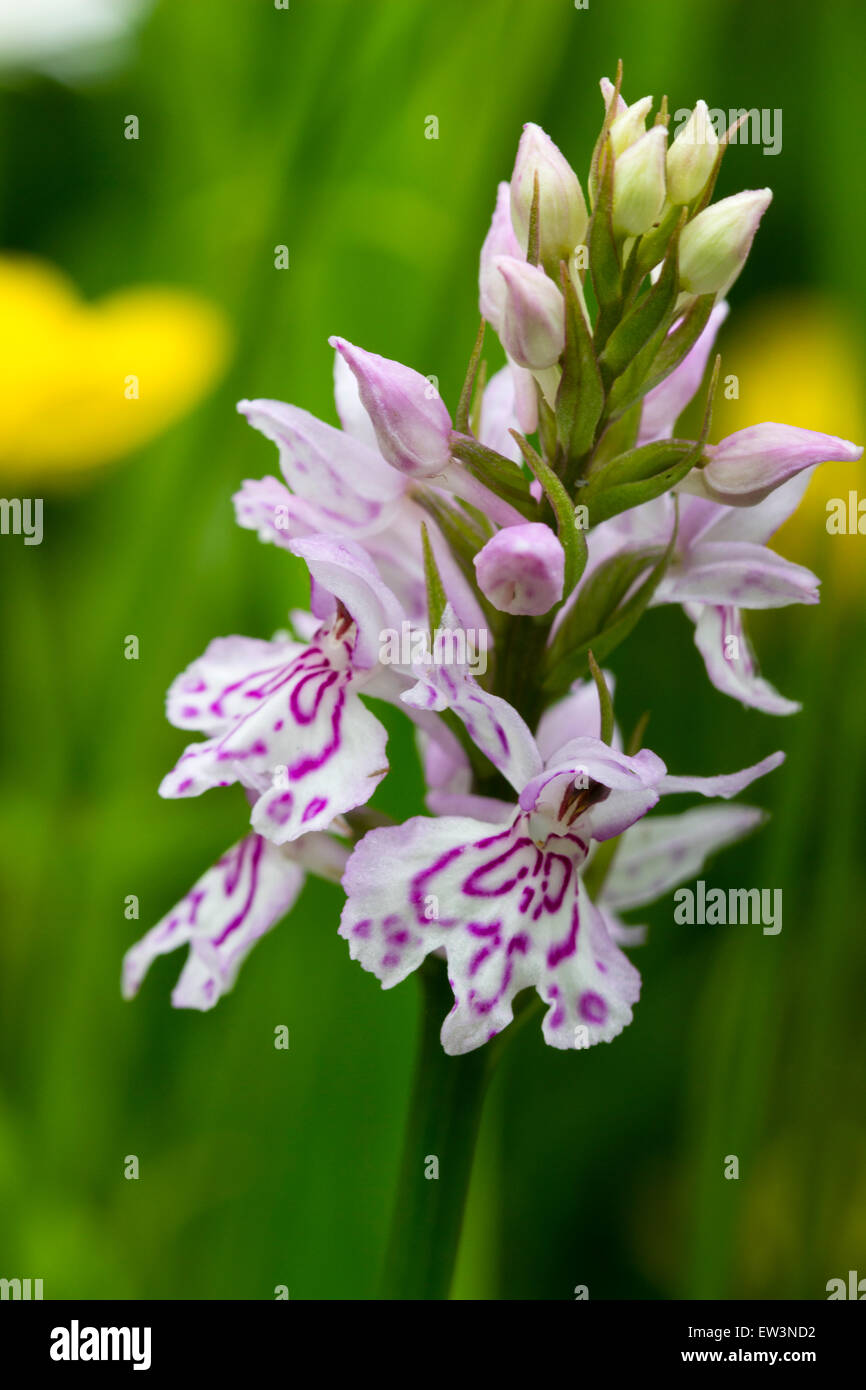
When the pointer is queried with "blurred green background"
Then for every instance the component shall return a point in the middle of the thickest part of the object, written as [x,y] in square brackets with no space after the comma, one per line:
[306,127]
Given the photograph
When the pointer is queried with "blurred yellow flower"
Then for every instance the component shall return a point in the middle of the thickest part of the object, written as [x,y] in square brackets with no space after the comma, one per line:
[83,384]
[798,359]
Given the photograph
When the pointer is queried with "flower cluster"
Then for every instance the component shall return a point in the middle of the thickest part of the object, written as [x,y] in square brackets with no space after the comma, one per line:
[555,506]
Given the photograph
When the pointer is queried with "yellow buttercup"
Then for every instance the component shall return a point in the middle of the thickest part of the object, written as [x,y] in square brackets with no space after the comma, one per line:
[82,384]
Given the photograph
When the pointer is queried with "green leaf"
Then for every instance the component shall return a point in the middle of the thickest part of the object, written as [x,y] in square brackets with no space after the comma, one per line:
[571,538]
[677,344]
[464,405]
[642,474]
[651,248]
[603,615]
[653,316]
[436,597]
[580,397]
[465,532]
[619,436]
[605,703]
[500,474]
[646,322]
[638,476]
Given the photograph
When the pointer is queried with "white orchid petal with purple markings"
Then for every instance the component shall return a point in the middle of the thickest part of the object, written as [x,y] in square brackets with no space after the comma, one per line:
[226,683]
[347,479]
[510,917]
[663,851]
[221,918]
[731,666]
[740,573]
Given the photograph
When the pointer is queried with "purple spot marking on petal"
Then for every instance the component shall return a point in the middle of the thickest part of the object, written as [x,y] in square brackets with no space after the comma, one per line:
[592,1008]
[279,808]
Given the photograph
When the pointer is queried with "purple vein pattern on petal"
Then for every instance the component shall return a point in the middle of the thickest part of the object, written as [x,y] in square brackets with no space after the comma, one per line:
[508,915]
[221,918]
[307,745]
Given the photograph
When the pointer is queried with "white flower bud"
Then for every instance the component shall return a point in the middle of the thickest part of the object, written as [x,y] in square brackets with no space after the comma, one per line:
[715,244]
[562,214]
[629,125]
[691,156]
[639,184]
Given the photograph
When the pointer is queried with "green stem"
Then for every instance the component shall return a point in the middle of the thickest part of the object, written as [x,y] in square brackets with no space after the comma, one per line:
[444,1117]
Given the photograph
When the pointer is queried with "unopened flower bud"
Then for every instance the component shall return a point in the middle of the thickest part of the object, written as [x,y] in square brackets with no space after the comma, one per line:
[522,569]
[500,241]
[715,244]
[562,215]
[629,125]
[413,427]
[607,93]
[639,184]
[533,329]
[691,156]
[747,466]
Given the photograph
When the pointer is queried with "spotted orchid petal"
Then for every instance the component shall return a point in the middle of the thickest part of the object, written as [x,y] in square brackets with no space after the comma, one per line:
[225,683]
[345,576]
[757,523]
[727,784]
[662,851]
[594,787]
[346,479]
[298,733]
[494,726]
[507,914]
[739,573]
[724,645]
[221,918]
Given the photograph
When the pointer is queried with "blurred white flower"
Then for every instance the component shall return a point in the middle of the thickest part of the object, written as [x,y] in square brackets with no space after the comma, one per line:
[67,39]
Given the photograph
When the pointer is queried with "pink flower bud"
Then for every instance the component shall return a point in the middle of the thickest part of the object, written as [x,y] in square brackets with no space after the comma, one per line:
[562,215]
[533,329]
[413,427]
[522,569]
[715,244]
[747,466]
[500,241]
